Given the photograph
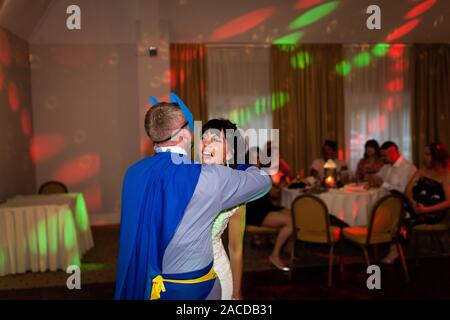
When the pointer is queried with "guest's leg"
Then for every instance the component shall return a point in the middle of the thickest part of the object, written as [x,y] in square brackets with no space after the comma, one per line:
[279,219]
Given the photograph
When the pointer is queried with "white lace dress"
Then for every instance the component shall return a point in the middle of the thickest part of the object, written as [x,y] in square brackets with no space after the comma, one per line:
[222,265]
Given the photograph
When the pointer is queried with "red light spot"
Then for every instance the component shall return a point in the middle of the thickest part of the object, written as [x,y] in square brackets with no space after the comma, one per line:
[389,103]
[201,52]
[304,4]
[396,50]
[2,78]
[146,147]
[176,77]
[403,30]
[165,98]
[93,197]
[242,24]
[382,123]
[25,120]
[358,142]
[79,169]
[13,97]
[166,77]
[419,9]
[341,155]
[46,146]
[399,66]
[395,85]
[5,49]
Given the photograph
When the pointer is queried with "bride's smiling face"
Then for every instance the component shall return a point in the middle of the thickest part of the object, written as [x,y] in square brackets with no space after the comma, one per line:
[213,147]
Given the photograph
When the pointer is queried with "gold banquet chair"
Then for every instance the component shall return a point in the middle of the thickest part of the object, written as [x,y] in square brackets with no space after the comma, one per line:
[435,231]
[384,227]
[311,224]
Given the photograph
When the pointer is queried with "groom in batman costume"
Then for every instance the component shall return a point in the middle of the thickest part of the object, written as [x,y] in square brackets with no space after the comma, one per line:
[168,207]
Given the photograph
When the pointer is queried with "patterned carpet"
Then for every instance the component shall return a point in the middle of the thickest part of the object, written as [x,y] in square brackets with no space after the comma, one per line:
[99,264]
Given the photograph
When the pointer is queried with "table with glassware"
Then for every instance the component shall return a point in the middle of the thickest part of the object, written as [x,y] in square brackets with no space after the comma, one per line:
[352,205]
[43,232]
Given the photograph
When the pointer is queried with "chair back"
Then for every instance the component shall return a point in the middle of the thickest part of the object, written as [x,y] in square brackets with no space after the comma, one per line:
[310,214]
[52,187]
[386,217]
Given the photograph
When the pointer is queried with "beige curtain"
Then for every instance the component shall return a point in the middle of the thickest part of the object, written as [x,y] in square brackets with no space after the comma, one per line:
[189,77]
[431,97]
[307,101]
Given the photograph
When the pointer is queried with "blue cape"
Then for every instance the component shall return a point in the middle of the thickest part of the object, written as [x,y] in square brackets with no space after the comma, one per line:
[155,194]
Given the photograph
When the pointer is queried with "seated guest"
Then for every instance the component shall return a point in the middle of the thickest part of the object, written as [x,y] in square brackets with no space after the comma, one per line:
[282,177]
[371,163]
[262,212]
[329,151]
[428,192]
[284,174]
[396,172]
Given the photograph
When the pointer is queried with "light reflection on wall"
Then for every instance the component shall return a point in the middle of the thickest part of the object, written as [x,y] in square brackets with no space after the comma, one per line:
[2,78]
[78,169]
[45,146]
[313,15]
[13,96]
[419,9]
[5,52]
[242,24]
[305,4]
[307,18]
[25,120]
[93,198]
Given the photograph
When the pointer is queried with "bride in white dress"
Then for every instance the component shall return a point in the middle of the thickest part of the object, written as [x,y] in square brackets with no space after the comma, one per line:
[217,150]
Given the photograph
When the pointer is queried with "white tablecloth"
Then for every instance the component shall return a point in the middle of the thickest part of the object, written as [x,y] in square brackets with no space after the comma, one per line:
[352,207]
[43,232]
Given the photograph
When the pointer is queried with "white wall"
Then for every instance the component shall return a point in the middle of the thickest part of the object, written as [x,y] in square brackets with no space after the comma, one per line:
[90,91]
[17,170]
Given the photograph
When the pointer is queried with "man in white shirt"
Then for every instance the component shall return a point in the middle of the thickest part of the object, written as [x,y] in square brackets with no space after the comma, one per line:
[396,172]
[393,176]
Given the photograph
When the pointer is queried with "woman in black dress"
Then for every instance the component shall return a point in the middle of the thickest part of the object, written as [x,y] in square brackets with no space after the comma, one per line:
[428,192]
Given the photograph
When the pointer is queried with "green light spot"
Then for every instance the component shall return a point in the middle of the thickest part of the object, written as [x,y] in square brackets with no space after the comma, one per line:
[70,239]
[42,238]
[343,68]
[82,218]
[242,117]
[248,114]
[263,104]
[257,107]
[381,49]
[301,60]
[313,15]
[234,116]
[2,260]
[291,38]
[362,59]
[92,266]
[282,99]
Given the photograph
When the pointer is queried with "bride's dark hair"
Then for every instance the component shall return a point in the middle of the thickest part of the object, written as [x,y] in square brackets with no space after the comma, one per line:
[235,142]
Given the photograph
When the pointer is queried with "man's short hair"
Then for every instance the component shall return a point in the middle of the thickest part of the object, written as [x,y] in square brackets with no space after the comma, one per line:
[162,120]
[389,144]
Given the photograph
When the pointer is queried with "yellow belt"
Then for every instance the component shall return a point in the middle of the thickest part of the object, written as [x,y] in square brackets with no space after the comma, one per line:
[158,283]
